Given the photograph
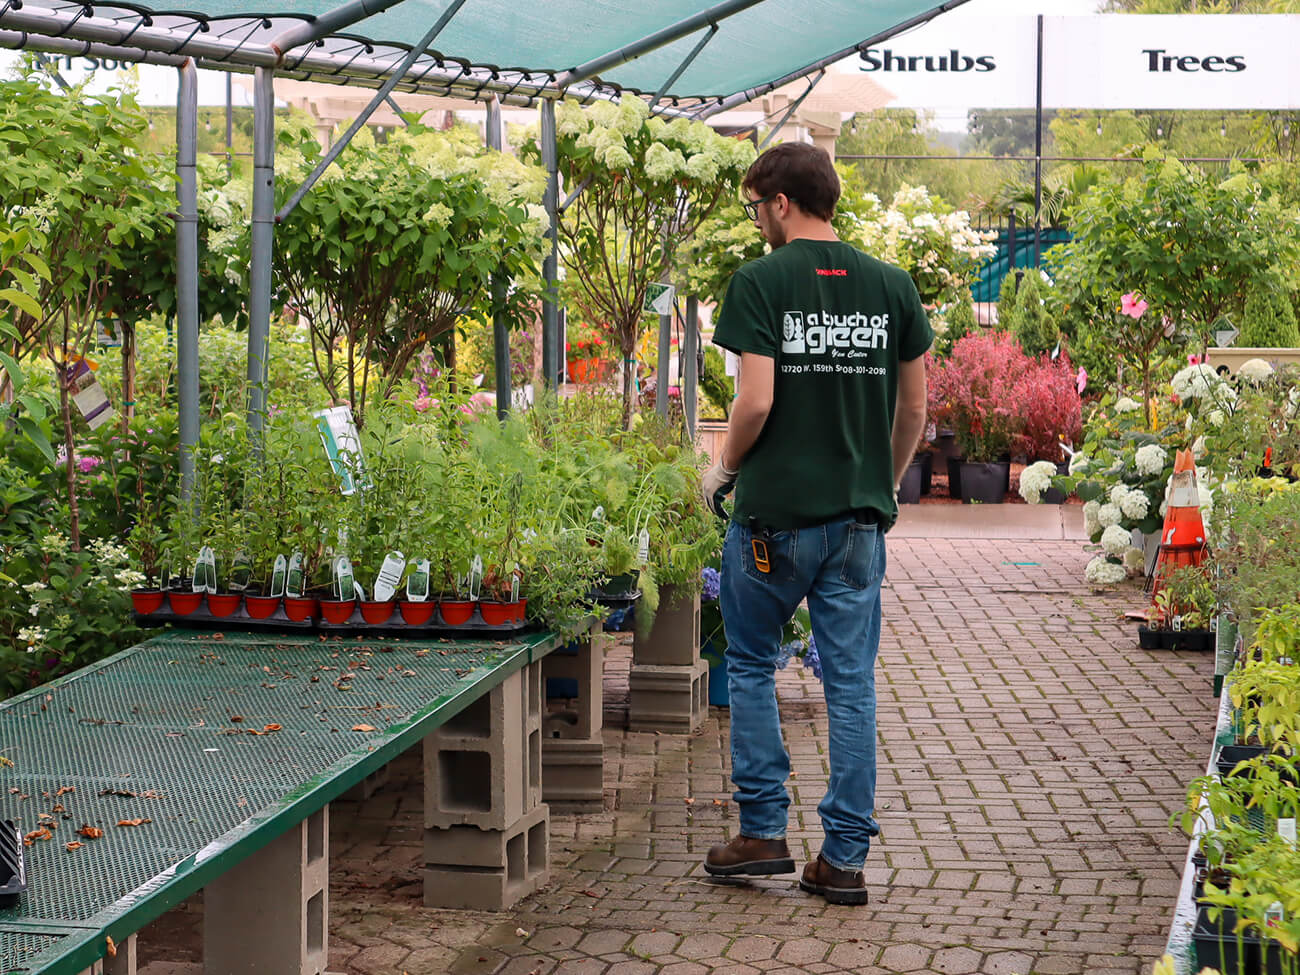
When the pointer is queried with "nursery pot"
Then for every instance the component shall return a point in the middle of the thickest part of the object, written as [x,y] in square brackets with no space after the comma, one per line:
[954,477]
[985,483]
[1148,638]
[497,614]
[223,604]
[926,458]
[909,488]
[719,692]
[456,611]
[417,614]
[183,603]
[521,610]
[337,610]
[261,607]
[1056,495]
[1193,640]
[377,611]
[299,608]
[146,601]
[946,444]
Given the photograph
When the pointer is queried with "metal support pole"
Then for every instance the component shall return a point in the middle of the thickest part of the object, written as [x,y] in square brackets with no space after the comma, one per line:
[187,269]
[691,359]
[51,66]
[421,46]
[259,299]
[500,326]
[230,128]
[1038,151]
[664,371]
[550,266]
[686,63]
[790,111]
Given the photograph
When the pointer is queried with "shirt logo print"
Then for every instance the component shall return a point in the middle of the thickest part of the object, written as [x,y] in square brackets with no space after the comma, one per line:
[792,340]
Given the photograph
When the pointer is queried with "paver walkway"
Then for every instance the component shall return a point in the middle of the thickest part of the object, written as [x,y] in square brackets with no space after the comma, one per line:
[1031,756]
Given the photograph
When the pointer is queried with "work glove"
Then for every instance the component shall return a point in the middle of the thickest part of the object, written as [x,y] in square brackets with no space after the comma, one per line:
[715,485]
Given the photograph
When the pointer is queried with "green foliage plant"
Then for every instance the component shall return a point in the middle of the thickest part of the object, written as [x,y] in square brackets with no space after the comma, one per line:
[1268,320]
[715,384]
[1034,327]
[1007,305]
[646,186]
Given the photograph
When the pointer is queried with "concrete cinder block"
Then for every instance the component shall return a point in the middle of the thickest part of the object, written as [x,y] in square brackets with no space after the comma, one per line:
[492,870]
[573,775]
[269,915]
[581,717]
[673,699]
[674,638]
[368,786]
[483,768]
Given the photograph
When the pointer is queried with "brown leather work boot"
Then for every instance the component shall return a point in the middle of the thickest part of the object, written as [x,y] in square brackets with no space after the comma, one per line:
[746,856]
[837,886]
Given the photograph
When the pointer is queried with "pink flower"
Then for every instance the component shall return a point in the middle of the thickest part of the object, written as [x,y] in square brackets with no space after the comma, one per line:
[1132,306]
[1081,380]
[87,464]
[423,403]
[1194,359]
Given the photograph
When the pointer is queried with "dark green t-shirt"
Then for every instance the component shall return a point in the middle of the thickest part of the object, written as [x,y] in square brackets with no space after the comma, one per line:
[837,322]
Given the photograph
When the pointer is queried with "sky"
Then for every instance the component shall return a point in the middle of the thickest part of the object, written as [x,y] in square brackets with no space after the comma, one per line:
[158,84]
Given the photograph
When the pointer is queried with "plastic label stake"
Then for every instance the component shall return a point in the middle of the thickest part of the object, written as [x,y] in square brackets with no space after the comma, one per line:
[475,576]
[643,547]
[278,572]
[1286,829]
[241,570]
[205,571]
[344,585]
[390,576]
[293,580]
[417,581]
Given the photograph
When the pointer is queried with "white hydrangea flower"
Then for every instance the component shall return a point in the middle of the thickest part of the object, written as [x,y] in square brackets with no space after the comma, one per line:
[438,215]
[1196,381]
[1126,404]
[1091,523]
[34,587]
[1102,572]
[1035,479]
[1164,507]
[1117,493]
[33,636]
[662,164]
[704,166]
[129,579]
[1078,463]
[1292,403]
[53,543]
[1135,504]
[618,159]
[1150,459]
[1135,560]
[1255,370]
[1199,448]
[1109,514]
[1114,540]
[1214,418]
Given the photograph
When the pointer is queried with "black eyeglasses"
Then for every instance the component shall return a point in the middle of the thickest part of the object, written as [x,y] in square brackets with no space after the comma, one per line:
[751,208]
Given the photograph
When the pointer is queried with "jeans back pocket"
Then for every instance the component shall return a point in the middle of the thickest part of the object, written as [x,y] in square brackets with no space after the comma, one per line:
[780,555]
[862,565]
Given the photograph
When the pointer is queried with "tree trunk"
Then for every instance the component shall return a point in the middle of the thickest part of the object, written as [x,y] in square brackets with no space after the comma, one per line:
[128,377]
[629,380]
[70,463]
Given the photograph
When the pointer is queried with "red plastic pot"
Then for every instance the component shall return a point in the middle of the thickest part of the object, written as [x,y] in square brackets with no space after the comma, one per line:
[497,614]
[377,612]
[183,603]
[299,608]
[223,604]
[417,614]
[456,612]
[261,607]
[146,601]
[337,610]
[521,608]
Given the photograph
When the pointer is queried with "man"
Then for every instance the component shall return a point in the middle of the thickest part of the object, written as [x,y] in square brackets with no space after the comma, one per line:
[830,406]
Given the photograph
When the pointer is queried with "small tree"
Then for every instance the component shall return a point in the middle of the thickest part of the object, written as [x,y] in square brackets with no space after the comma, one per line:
[1034,328]
[1007,320]
[1268,321]
[647,185]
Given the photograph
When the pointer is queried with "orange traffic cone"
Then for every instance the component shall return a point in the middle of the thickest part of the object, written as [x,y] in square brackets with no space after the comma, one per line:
[1182,542]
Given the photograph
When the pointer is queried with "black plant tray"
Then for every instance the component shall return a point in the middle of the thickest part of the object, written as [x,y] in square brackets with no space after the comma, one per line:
[202,619]
[395,626]
[1219,946]
[13,868]
[615,600]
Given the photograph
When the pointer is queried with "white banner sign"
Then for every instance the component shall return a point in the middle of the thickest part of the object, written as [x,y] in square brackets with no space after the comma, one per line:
[1109,61]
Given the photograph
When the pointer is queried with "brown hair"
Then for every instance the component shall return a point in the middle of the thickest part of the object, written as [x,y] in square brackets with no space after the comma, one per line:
[804,173]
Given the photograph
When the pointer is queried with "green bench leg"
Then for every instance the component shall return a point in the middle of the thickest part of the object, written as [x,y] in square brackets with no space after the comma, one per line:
[486,837]
[269,915]
[122,963]
[668,688]
[573,748]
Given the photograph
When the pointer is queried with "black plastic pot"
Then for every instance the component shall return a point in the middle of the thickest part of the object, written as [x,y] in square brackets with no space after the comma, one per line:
[946,444]
[1218,946]
[1193,640]
[927,470]
[1056,495]
[1230,755]
[954,477]
[1149,639]
[13,869]
[909,488]
[984,483]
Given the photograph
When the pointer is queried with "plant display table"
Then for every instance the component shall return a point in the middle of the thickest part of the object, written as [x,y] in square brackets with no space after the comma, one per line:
[199,760]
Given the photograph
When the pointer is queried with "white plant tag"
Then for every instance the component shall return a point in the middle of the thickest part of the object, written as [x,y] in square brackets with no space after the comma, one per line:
[643,546]
[390,576]
[417,581]
[278,572]
[240,572]
[514,588]
[1275,915]
[359,589]
[344,585]
[475,576]
[293,581]
[207,565]
[1176,624]
[1286,829]
[599,513]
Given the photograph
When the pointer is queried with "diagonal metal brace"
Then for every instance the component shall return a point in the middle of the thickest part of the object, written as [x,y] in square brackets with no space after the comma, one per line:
[790,111]
[695,52]
[415,53]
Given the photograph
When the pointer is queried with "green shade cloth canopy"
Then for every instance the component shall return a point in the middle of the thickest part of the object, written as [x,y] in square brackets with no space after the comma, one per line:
[522,45]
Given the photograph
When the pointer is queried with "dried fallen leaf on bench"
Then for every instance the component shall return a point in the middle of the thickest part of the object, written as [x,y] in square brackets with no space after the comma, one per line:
[133,822]
[37,834]
[74,845]
[110,946]
[236,717]
[363,727]
[7,763]
[90,832]
[690,802]
[65,790]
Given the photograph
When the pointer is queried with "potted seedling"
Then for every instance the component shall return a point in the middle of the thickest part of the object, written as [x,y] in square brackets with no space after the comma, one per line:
[1190,602]
[146,544]
[502,576]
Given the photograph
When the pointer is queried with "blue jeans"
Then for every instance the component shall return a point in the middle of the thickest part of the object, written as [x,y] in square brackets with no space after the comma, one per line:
[838,567]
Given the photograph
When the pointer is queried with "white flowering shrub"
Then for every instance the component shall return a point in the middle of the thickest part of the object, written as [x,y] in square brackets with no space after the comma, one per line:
[1102,571]
[1126,404]
[1150,459]
[1116,540]
[1035,479]
[918,232]
[1255,370]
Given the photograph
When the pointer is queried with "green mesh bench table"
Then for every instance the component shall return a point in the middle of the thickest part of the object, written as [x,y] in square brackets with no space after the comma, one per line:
[208,761]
